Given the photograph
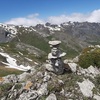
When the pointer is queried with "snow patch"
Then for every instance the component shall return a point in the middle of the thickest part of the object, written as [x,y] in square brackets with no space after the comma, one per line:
[11,63]
[33,29]
[9,28]
[54,29]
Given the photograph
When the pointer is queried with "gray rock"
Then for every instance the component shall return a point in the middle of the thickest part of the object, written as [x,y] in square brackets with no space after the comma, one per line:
[46,77]
[43,89]
[23,76]
[40,74]
[73,67]
[51,97]
[76,59]
[10,79]
[32,95]
[49,67]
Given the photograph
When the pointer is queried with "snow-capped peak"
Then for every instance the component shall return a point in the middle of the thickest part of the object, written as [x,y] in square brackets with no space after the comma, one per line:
[10,28]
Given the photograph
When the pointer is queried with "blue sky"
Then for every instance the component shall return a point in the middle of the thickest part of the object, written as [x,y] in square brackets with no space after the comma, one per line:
[29,12]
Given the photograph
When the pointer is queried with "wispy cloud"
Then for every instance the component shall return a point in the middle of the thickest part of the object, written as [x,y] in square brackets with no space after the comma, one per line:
[33,19]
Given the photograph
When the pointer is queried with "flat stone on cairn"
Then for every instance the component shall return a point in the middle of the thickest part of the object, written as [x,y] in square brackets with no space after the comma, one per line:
[50,56]
[53,43]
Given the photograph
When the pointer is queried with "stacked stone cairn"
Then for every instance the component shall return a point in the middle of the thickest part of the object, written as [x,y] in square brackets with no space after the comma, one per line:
[55,62]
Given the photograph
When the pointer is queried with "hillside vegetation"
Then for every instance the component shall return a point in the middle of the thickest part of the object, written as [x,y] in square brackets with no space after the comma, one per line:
[90,56]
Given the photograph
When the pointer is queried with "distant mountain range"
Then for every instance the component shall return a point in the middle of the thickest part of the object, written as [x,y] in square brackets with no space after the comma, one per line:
[74,36]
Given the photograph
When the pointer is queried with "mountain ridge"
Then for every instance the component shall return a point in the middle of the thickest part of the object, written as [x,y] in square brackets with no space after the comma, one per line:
[74,35]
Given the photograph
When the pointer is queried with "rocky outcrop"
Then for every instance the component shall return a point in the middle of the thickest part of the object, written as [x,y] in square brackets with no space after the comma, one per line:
[41,84]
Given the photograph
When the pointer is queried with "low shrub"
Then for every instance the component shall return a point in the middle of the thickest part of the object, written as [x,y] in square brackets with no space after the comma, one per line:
[4,88]
[90,56]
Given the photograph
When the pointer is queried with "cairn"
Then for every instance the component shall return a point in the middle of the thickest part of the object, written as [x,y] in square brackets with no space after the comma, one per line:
[55,63]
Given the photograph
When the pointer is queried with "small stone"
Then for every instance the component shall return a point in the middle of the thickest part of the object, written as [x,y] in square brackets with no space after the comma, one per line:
[73,67]
[46,78]
[28,85]
[40,74]
[62,92]
[43,89]
[60,81]
[1,79]
[49,67]
[50,56]
[76,59]
[51,97]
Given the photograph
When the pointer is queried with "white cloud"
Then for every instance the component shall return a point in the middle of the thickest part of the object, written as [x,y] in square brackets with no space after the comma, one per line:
[28,21]
[90,17]
[94,16]
[33,18]
[65,18]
